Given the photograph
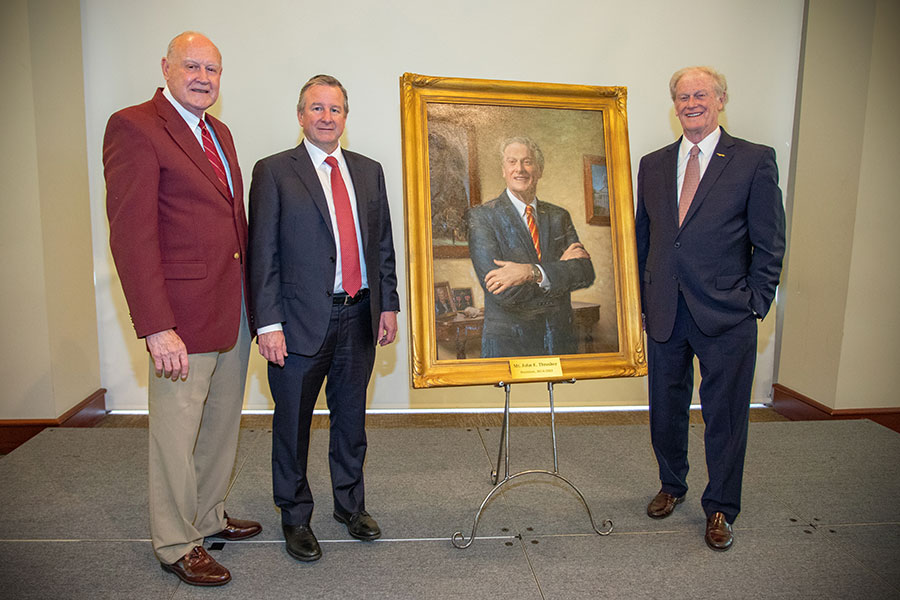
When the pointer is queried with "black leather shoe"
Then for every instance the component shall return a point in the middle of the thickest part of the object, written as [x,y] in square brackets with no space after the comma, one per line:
[301,543]
[719,535]
[238,529]
[662,505]
[360,525]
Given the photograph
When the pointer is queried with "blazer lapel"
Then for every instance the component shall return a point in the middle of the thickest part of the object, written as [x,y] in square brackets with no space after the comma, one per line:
[543,225]
[362,193]
[230,155]
[670,174]
[307,173]
[184,137]
[717,162]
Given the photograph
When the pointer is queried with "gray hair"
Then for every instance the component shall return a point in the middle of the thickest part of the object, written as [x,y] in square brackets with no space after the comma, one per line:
[322,80]
[719,83]
[528,143]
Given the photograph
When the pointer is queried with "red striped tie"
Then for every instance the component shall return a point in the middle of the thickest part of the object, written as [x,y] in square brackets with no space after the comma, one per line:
[350,273]
[532,227]
[213,155]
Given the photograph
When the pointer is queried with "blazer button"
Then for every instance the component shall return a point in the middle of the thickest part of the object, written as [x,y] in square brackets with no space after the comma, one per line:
[237,255]
[331,258]
[678,244]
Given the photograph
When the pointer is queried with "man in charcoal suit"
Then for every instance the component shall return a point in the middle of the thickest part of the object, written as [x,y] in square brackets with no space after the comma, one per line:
[324,291]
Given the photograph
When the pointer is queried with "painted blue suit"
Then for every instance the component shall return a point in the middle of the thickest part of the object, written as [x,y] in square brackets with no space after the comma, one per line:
[527,320]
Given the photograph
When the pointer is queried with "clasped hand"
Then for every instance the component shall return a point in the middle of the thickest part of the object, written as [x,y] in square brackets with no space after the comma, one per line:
[509,274]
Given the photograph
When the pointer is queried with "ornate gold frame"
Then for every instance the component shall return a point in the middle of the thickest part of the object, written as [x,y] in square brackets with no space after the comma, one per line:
[417,92]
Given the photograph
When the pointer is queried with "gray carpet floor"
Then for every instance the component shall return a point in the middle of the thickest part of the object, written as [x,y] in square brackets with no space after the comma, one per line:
[818,519]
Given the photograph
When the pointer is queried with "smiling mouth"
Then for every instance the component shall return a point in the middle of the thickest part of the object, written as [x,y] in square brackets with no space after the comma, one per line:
[694,114]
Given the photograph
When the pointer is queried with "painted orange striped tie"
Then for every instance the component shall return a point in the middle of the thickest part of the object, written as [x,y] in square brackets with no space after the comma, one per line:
[213,155]
[532,227]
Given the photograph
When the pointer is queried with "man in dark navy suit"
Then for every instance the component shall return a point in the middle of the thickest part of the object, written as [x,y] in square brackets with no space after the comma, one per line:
[324,291]
[528,259]
[710,241]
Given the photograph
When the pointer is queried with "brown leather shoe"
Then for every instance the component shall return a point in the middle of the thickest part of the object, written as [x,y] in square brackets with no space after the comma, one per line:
[662,505]
[197,567]
[719,535]
[238,529]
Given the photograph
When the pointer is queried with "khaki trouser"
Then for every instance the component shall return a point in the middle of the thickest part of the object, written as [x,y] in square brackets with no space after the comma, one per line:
[194,427]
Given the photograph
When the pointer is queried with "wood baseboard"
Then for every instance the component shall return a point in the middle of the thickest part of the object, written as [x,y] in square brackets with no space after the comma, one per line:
[797,407]
[15,432]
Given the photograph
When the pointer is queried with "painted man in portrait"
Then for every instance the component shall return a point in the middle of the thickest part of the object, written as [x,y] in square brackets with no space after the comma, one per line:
[528,259]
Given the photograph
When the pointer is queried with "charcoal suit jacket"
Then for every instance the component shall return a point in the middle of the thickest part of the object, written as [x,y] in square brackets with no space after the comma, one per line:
[292,245]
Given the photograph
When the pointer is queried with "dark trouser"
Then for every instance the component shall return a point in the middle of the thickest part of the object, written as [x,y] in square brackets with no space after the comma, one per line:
[727,362]
[346,358]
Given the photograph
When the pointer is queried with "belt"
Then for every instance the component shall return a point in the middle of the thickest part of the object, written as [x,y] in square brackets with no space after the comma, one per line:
[348,300]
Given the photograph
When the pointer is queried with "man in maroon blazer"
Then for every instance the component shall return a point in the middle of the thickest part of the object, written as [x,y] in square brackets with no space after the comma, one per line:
[178,234]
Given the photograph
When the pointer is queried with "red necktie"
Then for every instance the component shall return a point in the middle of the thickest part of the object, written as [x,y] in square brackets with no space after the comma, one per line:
[532,227]
[213,155]
[350,274]
[691,181]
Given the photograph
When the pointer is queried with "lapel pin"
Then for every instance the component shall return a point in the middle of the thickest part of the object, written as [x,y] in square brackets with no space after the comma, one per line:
[720,154]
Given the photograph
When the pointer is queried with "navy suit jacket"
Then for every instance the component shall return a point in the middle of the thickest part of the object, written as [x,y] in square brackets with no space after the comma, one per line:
[292,253]
[527,320]
[726,256]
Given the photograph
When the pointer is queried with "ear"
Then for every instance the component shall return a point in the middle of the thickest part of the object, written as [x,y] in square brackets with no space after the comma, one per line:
[164,64]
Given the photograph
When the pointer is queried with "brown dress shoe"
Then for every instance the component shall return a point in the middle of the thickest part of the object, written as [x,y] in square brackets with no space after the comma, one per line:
[197,567]
[719,535]
[238,529]
[662,505]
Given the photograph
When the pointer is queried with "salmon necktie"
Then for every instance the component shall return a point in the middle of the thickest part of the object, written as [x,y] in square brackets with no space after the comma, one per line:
[209,147]
[691,181]
[532,228]
[350,273]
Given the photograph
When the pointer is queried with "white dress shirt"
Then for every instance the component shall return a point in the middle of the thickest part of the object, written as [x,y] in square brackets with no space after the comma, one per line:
[707,146]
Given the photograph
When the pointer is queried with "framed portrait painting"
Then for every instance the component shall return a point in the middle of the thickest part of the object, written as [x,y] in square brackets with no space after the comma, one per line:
[520,230]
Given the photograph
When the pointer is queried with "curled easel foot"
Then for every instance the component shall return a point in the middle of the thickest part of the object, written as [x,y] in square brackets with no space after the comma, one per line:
[458,539]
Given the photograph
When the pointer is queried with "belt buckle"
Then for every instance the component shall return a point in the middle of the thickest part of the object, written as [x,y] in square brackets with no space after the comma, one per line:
[349,300]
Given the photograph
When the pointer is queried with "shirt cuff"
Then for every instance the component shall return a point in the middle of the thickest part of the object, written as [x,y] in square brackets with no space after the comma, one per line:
[545,281]
[269,328]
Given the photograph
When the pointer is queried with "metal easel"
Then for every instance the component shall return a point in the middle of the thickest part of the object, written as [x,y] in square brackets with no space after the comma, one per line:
[458,539]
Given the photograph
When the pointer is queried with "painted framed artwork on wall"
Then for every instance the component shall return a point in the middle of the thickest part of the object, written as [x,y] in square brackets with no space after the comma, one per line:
[519,216]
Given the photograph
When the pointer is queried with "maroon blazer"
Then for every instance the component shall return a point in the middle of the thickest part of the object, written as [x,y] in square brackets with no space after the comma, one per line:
[177,236]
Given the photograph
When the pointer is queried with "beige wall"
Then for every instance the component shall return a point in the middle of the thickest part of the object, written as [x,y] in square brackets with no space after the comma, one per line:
[839,341]
[50,358]
[270,48]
